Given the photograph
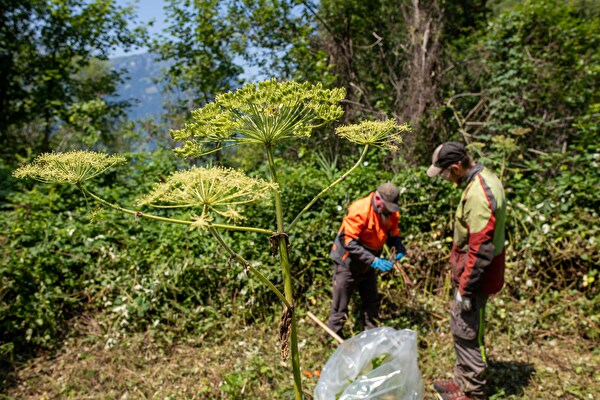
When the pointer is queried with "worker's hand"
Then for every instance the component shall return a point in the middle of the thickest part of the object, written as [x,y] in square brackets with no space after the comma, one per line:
[382,264]
[400,251]
[464,303]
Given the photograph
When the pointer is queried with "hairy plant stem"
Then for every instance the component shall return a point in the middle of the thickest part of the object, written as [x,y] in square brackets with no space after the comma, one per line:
[171,220]
[246,264]
[317,197]
[287,276]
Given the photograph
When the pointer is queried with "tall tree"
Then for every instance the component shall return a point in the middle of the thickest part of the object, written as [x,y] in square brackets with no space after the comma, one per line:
[43,46]
[215,45]
[201,44]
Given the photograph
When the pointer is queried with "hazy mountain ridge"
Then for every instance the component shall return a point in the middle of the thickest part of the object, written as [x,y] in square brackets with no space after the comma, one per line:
[140,86]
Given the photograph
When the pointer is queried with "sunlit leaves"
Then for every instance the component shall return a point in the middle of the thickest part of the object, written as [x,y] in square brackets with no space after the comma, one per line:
[69,167]
[217,189]
[539,69]
[54,67]
[383,134]
[263,113]
[200,43]
[504,143]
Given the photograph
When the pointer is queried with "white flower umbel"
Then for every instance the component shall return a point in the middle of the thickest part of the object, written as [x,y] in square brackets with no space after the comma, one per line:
[70,167]
[210,190]
[383,134]
[263,114]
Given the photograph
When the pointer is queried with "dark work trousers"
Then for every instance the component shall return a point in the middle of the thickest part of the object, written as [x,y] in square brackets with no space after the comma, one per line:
[345,281]
[467,330]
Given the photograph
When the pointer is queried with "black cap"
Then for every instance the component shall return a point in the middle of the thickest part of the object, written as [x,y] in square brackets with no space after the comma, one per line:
[390,195]
[445,155]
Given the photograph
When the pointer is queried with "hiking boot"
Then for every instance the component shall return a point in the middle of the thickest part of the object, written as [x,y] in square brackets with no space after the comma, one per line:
[445,386]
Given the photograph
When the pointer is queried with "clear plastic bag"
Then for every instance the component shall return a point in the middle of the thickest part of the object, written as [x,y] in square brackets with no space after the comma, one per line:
[380,364]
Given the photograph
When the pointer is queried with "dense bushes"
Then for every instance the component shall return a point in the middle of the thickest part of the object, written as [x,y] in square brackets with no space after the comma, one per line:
[148,275]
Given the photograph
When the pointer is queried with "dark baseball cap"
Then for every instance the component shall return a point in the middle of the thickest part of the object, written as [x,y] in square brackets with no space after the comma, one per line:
[390,195]
[445,155]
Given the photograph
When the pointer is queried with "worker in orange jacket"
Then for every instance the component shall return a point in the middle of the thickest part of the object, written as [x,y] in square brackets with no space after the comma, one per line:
[369,224]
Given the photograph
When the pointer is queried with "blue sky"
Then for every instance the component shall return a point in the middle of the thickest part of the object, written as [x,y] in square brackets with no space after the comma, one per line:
[147,10]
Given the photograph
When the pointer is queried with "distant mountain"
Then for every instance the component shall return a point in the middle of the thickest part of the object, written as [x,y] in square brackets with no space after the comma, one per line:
[140,86]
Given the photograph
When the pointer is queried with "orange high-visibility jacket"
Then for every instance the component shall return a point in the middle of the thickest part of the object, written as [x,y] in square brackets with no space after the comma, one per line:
[477,256]
[363,234]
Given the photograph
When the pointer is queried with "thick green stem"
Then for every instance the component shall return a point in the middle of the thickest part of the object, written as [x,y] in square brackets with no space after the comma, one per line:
[172,220]
[341,178]
[287,277]
[249,267]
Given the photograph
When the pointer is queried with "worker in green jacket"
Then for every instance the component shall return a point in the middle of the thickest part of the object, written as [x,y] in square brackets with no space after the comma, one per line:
[477,262]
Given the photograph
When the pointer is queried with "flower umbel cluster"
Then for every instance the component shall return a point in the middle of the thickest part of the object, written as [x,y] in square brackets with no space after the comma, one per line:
[70,167]
[383,134]
[262,113]
[217,189]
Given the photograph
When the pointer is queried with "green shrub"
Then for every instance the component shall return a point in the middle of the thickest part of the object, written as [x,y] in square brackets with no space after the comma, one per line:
[56,264]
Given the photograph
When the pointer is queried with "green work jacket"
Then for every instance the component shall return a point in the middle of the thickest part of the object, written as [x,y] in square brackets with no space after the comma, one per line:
[477,256]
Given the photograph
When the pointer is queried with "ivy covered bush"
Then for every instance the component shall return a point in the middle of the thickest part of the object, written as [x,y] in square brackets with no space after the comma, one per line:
[56,264]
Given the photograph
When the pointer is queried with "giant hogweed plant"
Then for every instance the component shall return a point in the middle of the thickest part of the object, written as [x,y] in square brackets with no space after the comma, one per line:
[261,115]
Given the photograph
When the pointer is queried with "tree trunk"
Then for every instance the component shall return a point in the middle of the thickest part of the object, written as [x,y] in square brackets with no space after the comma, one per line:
[418,92]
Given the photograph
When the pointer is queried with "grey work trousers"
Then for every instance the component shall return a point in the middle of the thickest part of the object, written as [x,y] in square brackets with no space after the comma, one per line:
[345,281]
[467,330]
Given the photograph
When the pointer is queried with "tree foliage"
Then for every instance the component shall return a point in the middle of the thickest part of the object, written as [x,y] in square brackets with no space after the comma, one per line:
[202,45]
[531,75]
[217,45]
[45,48]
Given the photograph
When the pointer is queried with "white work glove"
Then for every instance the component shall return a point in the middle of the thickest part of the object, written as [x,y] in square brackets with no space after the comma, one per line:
[464,303]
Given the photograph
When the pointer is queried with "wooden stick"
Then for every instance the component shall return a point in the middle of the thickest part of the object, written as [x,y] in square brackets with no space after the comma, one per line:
[399,267]
[327,329]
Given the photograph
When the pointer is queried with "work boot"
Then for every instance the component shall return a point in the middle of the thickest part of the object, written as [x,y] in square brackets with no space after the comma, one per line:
[445,386]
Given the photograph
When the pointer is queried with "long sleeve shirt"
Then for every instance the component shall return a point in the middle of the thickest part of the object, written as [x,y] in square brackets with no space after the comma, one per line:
[363,233]
[477,256]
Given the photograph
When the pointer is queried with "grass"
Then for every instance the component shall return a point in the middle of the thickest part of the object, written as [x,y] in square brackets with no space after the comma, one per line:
[538,347]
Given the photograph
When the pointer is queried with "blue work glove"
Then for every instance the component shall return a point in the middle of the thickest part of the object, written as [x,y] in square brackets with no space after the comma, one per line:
[464,303]
[382,264]
[399,256]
